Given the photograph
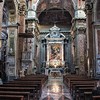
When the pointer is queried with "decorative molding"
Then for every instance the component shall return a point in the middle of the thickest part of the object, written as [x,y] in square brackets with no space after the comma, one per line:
[21,9]
[88,6]
[54,1]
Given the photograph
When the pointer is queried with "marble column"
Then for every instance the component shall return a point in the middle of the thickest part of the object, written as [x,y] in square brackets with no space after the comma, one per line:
[81,42]
[21,30]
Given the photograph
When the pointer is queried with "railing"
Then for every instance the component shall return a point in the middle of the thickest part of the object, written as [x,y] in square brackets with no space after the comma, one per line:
[27,56]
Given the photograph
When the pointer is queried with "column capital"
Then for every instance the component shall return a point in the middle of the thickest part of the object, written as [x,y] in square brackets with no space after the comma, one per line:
[22,9]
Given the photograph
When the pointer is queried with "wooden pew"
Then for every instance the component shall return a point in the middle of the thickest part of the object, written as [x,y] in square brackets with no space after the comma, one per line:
[37,87]
[30,84]
[44,78]
[25,82]
[96,97]
[11,97]
[20,89]
[80,86]
[25,94]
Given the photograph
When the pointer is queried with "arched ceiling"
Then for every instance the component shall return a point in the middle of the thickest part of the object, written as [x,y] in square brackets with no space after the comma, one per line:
[49,12]
[55,15]
[8,9]
[62,4]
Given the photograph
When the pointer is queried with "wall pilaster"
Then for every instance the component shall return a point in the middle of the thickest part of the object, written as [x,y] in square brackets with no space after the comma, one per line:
[90,40]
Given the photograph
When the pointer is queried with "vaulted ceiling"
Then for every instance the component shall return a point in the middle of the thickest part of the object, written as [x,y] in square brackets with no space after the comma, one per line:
[55,11]
[55,15]
[62,4]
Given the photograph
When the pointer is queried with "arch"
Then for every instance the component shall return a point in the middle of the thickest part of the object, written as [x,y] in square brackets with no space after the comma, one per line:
[9,10]
[8,15]
[55,15]
[69,5]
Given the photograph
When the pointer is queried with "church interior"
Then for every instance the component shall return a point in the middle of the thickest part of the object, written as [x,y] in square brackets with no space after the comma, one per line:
[49,49]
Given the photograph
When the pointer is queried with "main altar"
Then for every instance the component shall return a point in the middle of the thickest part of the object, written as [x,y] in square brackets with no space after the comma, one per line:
[55,63]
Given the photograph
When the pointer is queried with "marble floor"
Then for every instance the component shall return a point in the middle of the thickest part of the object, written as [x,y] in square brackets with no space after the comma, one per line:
[55,89]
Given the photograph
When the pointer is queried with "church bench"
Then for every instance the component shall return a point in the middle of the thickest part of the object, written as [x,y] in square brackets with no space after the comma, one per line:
[25,94]
[38,88]
[88,95]
[40,85]
[41,77]
[21,85]
[11,97]
[83,86]
[26,82]
[68,81]
[96,93]
[34,79]
[33,91]
[76,87]
[30,78]
[19,89]
[96,97]
[80,86]
[82,83]
[37,76]
[83,92]
[43,80]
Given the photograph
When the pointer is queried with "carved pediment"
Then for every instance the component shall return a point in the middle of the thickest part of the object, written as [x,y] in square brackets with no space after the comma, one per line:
[55,33]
